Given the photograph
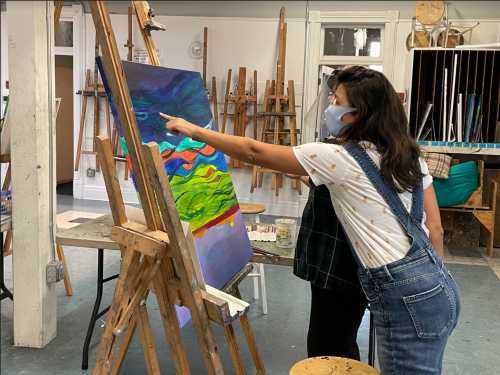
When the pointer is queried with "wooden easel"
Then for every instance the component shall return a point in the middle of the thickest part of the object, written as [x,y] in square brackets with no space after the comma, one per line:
[277,108]
[158,256]
[212,96]
[241,100]
[94,90]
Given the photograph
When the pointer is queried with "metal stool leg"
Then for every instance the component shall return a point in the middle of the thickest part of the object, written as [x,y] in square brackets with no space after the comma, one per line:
[371,342]
[95,310]
[262,277]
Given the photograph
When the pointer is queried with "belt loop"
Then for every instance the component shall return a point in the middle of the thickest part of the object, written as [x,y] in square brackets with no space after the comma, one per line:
[388,273]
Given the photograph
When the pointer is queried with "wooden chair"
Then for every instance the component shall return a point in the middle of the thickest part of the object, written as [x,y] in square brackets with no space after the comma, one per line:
[331,365]
[481,207]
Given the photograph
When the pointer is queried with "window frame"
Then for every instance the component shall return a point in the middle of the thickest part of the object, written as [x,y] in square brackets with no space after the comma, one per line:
[351,60]
[315,25]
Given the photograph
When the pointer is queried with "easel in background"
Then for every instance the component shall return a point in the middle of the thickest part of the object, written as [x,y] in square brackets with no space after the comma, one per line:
[93,89]
[277,108]
[160,255]
[241,100]
[7,245]
[212,96]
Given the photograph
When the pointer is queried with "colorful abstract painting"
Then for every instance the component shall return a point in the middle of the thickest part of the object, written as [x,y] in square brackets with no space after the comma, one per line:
[198,174]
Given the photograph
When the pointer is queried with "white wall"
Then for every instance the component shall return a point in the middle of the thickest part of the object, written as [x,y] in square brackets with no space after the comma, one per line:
[233,42]
[247,36]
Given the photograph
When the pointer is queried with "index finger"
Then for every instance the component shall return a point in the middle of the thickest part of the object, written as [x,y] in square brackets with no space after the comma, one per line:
[165,116]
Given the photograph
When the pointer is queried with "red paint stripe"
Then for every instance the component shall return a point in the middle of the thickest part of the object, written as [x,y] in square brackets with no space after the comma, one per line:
[218,219]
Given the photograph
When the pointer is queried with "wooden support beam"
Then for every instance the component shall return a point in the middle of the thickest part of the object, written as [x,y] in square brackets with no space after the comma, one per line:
[146,24]
[205,48]
[32,107]
[145,243]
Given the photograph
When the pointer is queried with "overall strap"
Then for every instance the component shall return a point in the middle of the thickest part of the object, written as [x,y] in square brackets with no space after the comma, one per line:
[387,192]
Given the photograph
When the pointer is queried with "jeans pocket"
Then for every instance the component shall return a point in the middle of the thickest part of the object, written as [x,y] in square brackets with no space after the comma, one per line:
[431,312]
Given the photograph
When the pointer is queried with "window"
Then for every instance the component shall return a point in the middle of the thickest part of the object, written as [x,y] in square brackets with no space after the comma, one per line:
[352,41]
[350,44]
[64,34]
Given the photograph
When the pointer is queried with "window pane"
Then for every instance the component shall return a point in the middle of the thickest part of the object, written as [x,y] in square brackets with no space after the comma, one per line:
[64,34]
[352,41]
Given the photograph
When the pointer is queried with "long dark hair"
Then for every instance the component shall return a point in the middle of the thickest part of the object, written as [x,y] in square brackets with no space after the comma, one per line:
[381,119]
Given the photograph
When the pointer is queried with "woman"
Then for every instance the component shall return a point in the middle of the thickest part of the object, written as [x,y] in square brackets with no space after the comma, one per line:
[323,257]
[383,196]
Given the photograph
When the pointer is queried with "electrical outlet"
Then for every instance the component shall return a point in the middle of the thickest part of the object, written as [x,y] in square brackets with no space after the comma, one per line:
[90,172]
[54,271]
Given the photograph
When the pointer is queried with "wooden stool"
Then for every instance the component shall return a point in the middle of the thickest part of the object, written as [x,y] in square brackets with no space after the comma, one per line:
[252,208]
[330,366]
[256,209]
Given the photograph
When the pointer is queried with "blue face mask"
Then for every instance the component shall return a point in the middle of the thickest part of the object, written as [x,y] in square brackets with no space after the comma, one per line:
[333,118]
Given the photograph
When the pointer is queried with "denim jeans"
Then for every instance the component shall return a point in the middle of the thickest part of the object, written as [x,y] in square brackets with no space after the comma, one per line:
[415,303]
[415,300]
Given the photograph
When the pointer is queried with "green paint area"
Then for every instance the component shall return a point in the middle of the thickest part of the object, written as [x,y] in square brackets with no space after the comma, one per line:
[203,196]
[185,144]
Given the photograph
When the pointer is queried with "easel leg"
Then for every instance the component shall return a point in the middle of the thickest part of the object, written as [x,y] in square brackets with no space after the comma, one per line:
[67,280]
[147,340]
[80,134]
[252,346]
[120,300]
[171,327]
[124,346]
[233,349]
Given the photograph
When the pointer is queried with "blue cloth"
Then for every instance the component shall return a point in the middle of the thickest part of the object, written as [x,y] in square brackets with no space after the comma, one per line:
[462,181]
[415,300]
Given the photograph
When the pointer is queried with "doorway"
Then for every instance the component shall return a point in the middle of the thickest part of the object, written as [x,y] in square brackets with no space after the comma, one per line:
[64,124]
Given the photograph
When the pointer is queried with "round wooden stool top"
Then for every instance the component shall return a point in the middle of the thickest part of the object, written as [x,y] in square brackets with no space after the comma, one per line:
[331,366]
[252,208]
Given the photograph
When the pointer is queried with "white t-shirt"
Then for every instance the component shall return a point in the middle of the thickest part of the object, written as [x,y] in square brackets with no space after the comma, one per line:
[374,231]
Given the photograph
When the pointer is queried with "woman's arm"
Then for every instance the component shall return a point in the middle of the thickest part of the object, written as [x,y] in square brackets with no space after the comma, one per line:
[433,220]
[279,158]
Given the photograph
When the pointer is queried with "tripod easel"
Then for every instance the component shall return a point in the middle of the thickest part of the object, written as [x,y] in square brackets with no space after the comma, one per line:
[277,108]
[158,256]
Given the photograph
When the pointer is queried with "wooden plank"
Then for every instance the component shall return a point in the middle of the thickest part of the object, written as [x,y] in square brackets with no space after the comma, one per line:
[142,10]
[171,325]
[233,349]
[107,343]
[226,101]
[147,340]
[119,89]
[130,44]
[67,279]
[124,346]
[214,102]
[111,180]
[252,346]
[205,45]
[81,132]
[144,243]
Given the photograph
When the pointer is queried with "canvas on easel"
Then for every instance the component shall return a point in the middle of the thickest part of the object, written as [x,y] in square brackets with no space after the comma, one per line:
[198,174]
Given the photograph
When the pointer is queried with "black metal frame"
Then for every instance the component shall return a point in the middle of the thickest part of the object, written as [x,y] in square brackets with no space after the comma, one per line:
[96,314]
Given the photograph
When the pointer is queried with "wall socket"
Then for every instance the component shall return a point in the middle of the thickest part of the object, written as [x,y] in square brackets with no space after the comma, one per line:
[54,271]
[90,172]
